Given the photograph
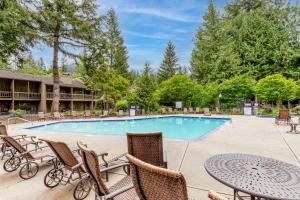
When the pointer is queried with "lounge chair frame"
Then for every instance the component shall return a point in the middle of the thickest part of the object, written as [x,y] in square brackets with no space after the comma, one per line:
[25,159]
[6,149]
[66,170]
[122,189]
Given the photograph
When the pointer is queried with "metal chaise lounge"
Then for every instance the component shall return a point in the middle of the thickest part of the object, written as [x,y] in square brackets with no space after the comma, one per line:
[122,190]
[283,116]
[147,147]
[27,159]
[67,169]
[153,183]
[207,112]
[24,140]
[87,114]
[185,111]
[70,169]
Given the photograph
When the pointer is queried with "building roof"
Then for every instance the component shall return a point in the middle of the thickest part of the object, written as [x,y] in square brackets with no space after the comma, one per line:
[64,81]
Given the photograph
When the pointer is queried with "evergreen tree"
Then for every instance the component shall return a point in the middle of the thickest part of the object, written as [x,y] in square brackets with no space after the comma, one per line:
[16,35]
[145,86]
[169,65]
[116,49]
[64,25]
[207,44]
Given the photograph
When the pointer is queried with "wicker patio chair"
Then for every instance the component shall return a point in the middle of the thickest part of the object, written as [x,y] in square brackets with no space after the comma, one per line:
[185,111]
[283,116]
[24,140]
[207,112]
[41,116]
[57,116]
[163,111]
[214,196]
[74,115]
[153,183]
[170,110]
[27,159]
[87,114]
[147,147]
[197,110]
[191,110]
[67,170]
[122,190]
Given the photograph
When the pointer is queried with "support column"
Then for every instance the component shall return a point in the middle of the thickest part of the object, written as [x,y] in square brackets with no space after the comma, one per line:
[43,101]
[72,103]
[12,89]
[28,89]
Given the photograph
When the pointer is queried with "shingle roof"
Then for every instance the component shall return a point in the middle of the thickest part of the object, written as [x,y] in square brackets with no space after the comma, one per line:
[64,81]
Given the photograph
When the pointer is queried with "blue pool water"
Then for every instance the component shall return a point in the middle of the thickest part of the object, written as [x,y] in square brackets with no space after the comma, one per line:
[174,127]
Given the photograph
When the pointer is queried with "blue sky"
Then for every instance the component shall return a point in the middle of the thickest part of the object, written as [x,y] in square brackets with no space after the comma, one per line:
[147,26]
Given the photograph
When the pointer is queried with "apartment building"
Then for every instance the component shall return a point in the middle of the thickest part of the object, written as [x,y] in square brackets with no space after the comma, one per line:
[35,93]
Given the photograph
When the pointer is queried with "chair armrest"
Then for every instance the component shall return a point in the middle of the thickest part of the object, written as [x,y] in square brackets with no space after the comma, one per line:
[114,167]
[118,192]
[76,166]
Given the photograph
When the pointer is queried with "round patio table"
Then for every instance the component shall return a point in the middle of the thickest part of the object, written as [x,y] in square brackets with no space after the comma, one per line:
[257,176]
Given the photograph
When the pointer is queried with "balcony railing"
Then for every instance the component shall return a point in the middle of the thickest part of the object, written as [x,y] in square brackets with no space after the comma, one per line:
[5,94]
[27,95]
[68,96]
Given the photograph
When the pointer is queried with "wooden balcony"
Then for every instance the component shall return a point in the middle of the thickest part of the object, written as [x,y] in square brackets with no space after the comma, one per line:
[5,95]
[68,96]
[27,96]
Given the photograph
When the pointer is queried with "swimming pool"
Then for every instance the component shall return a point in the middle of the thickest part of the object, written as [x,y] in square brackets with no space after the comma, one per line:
[173,127]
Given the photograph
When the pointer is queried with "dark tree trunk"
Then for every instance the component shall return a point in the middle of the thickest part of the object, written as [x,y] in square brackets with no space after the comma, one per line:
[55,76]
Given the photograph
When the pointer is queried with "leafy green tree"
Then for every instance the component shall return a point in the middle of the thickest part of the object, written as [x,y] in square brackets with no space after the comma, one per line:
[237,7]
[16,35]
[144,87]
[240,88]
[115,47]
[180,88]
[109,85]
[64,25]
[276,88]
[169,65]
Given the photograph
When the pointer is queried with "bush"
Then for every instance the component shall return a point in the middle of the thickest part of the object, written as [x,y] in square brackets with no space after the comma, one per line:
[122,105]
[238,89]
[276,88]
[296,109]
[17,113]
[180,88]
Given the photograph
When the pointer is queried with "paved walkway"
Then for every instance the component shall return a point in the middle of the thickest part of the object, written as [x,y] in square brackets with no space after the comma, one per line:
[244,134]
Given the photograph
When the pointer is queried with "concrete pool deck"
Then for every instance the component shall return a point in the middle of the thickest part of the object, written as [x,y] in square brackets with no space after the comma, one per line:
[245,134]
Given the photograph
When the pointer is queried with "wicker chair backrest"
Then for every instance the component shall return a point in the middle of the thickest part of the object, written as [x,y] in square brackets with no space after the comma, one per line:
[147,147]
[63,153]
[152,182]
[91,164]
[15,144]
[3,130]
[284,113]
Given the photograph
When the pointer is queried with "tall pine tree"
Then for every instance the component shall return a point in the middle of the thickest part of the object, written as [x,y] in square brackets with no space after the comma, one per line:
[116,49]
[64,25]
[213,57]
[169,65]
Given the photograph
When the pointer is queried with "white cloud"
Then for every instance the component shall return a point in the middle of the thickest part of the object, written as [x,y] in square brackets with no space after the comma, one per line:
[160,36]
[160,13]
